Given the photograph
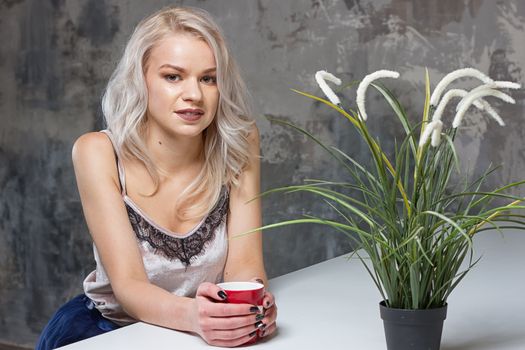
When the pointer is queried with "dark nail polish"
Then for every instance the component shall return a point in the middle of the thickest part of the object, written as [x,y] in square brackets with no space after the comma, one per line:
[252,334]
[259,280]
[259,317]
[222,295]
[254,309]
[267,304]
[259,325]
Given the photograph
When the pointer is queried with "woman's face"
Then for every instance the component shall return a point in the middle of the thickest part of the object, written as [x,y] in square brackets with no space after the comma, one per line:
[182,85]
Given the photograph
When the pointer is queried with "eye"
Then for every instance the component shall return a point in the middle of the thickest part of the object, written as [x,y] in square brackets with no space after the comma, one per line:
[172,77]
[209,79]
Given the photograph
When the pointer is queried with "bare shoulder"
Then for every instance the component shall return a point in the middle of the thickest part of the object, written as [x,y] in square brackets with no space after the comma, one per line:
[93,154]
[91,143]
[93,147]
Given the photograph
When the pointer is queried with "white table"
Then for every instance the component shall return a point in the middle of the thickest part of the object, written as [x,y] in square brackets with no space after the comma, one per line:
[334,305]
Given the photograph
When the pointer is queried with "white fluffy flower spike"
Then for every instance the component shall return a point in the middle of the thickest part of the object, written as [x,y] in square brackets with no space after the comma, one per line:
[474,95]
[450,77]
[432,129]
[505,85]
[361,90]
[436,134]
[488,108]
[321,77]
[447,97]
[501,95]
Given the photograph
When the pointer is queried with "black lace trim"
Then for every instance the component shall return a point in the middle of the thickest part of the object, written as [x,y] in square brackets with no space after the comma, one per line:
[184,249]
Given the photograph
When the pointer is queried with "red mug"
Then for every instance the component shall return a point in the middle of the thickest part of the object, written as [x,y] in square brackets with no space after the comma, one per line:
[244,293]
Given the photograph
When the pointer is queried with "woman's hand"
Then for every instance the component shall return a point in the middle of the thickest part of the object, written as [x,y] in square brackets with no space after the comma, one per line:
[223,324]
[270,312]
[270,315]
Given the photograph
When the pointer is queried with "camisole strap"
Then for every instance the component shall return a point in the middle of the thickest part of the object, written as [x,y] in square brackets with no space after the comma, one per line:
[120,167]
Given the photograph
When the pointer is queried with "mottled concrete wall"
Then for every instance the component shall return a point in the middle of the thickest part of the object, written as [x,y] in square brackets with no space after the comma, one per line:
[56,57]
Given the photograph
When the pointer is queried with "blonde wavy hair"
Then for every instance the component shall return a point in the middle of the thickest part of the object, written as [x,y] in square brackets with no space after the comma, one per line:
[125,100]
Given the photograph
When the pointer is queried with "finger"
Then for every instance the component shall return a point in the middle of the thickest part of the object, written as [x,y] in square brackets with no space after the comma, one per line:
[227,310]
[212,291]
[229,334]
[258,280]
[270,316]
[268,330]
[268,300]
[234,342]
[229,323]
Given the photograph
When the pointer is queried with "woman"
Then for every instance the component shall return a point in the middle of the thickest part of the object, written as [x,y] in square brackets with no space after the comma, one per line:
[166,187]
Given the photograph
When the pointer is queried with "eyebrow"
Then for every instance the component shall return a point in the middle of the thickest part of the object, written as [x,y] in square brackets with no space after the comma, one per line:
[180,69]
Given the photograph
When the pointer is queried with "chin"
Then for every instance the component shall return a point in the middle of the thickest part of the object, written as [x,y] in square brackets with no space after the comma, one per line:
[189,131]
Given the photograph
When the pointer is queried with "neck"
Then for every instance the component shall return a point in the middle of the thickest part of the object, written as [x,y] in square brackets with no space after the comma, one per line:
[173,154]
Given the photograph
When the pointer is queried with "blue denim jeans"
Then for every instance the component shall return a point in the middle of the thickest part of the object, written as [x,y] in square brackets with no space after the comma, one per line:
[76,320]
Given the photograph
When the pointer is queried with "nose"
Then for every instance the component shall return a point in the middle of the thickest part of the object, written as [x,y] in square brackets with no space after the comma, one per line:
[192,91]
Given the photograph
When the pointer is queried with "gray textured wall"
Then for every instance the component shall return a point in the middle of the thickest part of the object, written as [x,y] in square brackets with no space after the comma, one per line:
[56,56]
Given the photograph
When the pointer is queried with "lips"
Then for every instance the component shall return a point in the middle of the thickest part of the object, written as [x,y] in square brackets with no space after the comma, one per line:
[190,114]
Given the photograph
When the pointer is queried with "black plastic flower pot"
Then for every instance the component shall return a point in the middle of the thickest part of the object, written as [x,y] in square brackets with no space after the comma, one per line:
[413,329]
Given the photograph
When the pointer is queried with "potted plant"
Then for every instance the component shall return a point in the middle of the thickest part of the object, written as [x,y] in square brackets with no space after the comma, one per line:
[415,231]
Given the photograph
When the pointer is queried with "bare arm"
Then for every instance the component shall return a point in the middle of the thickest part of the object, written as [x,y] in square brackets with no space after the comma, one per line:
[245,254]
[245,258]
